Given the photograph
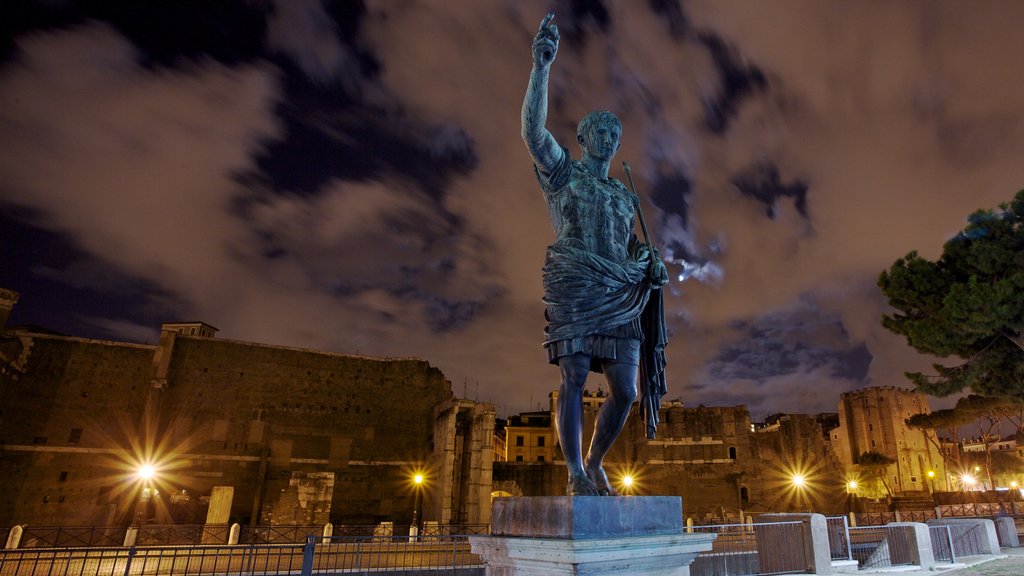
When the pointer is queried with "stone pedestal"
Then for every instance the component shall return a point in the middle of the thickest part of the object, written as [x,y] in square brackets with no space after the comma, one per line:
[578,535]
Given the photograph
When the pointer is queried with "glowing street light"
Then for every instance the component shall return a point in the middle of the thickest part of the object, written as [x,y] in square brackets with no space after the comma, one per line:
[798,480]
[851,485]
[417,503]
[146,472]
[968,481]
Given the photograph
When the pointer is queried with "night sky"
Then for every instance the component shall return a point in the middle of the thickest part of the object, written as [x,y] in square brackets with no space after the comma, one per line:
[350,177]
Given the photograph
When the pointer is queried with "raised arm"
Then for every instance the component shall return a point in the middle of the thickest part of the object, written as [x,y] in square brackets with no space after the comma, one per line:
[546,152]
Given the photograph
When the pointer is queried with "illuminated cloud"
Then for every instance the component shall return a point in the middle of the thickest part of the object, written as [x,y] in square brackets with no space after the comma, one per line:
[353,179]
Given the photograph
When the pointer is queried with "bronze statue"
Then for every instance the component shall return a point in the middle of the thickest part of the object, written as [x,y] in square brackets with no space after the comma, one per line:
[598,279]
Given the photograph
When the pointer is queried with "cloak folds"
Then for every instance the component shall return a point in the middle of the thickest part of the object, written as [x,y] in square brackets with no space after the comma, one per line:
[587,294]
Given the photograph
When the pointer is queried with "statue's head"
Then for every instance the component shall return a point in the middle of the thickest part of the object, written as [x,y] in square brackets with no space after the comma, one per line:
[598,134]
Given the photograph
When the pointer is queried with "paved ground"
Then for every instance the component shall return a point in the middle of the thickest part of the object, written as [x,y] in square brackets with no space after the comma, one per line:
[1009,563]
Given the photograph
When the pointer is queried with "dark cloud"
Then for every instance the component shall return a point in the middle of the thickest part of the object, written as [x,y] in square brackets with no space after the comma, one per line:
[737,79]
[763,183]
[349,176]
[671,12]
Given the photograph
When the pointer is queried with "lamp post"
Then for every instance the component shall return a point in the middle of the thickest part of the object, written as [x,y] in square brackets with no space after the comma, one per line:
[799,482]
[144,475]
[417,503]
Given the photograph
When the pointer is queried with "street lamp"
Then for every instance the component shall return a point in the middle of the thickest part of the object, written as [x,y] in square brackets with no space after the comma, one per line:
[851,494]
[145,473]
[627,484]
[417,503]
[799,483]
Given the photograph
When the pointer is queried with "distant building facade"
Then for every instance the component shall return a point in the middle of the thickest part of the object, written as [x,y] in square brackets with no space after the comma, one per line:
[874,420]
[714,457]
[302,436]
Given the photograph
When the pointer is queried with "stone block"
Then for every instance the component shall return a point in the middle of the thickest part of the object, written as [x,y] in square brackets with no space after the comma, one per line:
[584,535]
[581,517]
[1006,531]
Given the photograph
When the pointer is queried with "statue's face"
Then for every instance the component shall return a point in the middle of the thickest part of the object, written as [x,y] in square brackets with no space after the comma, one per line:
[601,141]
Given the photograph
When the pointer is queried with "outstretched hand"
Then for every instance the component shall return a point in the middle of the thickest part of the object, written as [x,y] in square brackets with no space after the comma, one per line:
[545,43]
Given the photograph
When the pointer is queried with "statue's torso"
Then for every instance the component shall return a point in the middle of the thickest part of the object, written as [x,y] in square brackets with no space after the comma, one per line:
[592,213]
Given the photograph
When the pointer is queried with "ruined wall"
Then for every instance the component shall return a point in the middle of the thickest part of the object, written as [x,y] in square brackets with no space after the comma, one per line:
[68,417]
[215,412]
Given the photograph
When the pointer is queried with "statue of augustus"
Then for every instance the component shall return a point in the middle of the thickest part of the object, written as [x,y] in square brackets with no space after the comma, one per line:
[598,278]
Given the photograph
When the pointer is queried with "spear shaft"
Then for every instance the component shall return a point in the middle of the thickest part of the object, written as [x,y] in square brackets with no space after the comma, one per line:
[639,212]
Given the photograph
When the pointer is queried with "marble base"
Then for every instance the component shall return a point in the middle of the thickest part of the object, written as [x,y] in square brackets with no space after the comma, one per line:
[583,535]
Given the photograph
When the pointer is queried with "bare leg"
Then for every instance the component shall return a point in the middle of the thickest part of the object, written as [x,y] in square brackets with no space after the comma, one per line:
[569,421]
[610,420]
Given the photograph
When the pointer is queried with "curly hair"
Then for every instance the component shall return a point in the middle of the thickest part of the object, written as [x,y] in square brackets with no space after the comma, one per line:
[597,118]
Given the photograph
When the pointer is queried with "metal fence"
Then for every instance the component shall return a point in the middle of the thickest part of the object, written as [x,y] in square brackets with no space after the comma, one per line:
[397,554]
[968,539]
[752,549]
[839,537]
[195,534]
[67,536]
[917,515]
[883,546]
[442,555]
[942,543]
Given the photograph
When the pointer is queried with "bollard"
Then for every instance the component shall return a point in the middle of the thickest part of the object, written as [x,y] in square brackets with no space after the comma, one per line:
[328,532]
[233,534]
[14,537]
[130,535]
[689,525]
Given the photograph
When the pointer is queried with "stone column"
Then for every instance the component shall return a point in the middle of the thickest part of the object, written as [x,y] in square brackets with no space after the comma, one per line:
[576,535]
[219,511]
[8,298]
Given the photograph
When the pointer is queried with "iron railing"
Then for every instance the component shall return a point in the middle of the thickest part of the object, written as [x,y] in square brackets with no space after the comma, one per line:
[395,554]
[839,537]
[942,543]
[968,539]
[442,555]
[69,536]
[752,549]
[883,546]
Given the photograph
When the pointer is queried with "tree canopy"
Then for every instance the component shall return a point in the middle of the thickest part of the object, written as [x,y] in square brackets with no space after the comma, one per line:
[968,304]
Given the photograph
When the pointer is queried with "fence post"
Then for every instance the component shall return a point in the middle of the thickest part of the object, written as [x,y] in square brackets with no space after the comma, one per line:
[307,555]
[130,535]
[236,529]
[853,519]
[898,516]
[849,543]
[689,525]
[14,537]
[328,533]
[128,560]
[949,538]
[938,511]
